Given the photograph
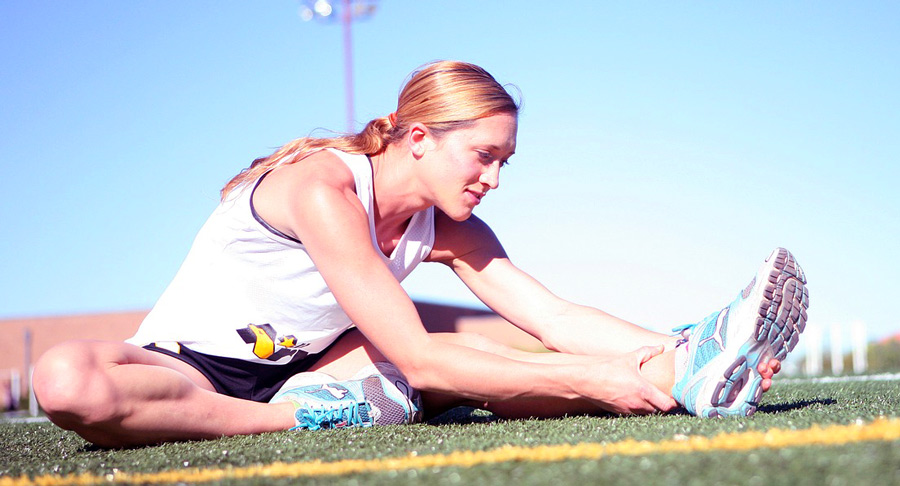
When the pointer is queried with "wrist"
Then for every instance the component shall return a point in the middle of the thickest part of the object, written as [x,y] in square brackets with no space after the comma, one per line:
[566,381]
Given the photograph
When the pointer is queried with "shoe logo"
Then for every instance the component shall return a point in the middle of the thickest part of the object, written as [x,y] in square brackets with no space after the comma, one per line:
[337,393]
[720,328]
[717,335]
[374,413]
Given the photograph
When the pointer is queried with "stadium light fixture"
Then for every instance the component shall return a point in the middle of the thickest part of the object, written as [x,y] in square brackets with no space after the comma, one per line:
[345,11]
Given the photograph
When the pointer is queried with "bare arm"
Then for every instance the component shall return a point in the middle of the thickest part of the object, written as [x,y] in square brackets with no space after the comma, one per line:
[560,325]
[476,256]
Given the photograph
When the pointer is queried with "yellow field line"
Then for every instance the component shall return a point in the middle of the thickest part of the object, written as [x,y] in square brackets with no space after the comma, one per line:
[879,430]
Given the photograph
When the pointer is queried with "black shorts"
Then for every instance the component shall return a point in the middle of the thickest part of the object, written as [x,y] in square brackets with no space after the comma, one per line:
[239,378]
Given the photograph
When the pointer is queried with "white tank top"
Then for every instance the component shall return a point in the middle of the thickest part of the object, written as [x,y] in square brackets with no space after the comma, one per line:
[246,291]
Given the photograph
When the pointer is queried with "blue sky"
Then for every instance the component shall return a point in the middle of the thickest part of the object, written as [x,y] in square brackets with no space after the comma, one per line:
[664,147]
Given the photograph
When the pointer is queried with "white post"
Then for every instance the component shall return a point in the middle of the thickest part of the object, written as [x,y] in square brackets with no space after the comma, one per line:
[32,400]
[837,355]
[15,385]
[813,340]
[860,347]
[29,369]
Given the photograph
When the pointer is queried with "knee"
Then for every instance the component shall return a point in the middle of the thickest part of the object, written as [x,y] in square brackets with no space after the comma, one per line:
[66,386]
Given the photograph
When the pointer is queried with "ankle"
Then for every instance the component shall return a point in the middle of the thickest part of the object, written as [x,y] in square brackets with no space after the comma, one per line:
[680,365]
[285,415]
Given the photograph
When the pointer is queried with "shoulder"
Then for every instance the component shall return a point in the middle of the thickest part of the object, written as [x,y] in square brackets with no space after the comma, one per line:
[323,167]
[454,240]
[320,172]
[301,192]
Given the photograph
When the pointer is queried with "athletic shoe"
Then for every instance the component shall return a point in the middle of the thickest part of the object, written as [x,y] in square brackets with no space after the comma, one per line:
[393,375]
[355,403]
[717,358]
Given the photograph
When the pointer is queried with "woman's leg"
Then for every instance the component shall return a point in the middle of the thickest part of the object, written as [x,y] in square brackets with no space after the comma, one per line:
[354,351]
[114,394]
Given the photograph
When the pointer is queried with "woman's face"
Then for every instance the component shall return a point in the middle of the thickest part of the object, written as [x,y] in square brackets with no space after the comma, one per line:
[465,163]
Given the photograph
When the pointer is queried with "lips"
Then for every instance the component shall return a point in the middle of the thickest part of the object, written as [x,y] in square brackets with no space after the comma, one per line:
[478,195]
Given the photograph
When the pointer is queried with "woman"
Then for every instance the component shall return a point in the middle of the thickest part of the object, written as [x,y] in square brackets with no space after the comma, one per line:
[297,274]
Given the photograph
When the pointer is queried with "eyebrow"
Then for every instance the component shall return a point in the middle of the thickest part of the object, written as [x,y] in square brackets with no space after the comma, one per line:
[497,148]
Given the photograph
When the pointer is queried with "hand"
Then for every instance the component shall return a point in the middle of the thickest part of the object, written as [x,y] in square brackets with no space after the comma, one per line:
[624,390]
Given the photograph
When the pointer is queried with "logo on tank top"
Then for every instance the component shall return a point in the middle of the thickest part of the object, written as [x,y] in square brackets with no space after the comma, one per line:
[267,344]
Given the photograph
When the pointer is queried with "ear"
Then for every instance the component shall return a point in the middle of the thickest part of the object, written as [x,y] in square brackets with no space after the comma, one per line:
[419,139]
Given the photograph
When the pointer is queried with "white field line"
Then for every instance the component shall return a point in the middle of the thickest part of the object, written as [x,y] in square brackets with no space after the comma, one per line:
[15,418]
[841,379]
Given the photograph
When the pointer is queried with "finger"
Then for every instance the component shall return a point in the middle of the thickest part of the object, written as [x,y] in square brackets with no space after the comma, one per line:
[648,352]
[660,401]
[766,384]
[664,404]
[639,408]
[775,365]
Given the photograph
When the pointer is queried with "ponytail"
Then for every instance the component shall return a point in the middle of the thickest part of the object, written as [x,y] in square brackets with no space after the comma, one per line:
[443,95]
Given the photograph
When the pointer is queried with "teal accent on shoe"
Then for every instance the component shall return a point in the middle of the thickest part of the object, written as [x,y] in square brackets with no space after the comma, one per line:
[354,403]
[332,405]
[349,414]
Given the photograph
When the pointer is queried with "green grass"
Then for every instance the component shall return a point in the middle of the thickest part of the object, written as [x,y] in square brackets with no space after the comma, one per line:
[39,449]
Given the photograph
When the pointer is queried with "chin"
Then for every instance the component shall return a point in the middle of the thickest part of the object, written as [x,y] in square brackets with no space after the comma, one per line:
[459,216]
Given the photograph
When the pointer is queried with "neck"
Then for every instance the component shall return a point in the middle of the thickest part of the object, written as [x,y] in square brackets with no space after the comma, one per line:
[397,189]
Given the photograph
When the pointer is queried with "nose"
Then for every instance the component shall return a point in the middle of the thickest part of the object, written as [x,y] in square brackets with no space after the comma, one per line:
[491,176]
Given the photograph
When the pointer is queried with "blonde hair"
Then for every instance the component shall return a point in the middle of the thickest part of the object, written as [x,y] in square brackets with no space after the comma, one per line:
[443,95]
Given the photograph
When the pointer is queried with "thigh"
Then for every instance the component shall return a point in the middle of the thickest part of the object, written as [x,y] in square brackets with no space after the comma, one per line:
[88,355]
[353,351]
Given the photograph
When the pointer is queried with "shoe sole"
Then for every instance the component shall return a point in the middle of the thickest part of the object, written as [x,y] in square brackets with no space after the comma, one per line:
[781,319]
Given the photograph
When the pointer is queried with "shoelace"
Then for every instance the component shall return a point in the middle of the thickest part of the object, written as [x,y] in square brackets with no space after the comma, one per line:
[343,414]
[685,330]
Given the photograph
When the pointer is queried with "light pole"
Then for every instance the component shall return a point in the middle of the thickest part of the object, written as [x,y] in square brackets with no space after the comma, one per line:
[347,11]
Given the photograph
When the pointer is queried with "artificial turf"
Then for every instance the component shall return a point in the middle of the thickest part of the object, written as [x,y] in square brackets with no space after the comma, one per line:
[40,450]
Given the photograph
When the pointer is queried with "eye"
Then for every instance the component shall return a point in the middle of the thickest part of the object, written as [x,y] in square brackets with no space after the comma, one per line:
[487,157]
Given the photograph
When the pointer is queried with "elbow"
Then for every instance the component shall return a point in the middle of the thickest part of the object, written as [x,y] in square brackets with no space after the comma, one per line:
[417,381]
[420,371]
[551,347]
[551,338]
[417,376]
[555,333]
